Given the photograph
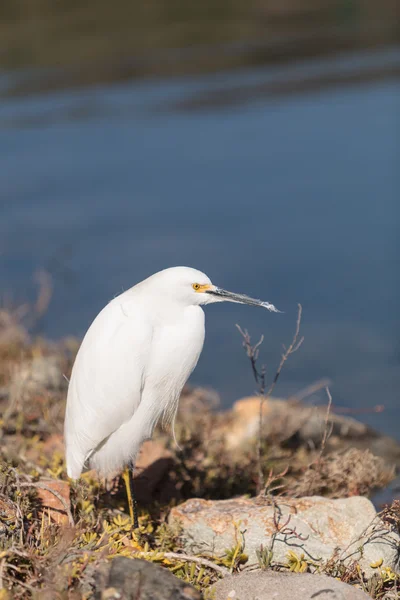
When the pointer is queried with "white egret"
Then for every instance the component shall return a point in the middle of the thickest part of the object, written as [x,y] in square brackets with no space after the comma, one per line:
[131,367]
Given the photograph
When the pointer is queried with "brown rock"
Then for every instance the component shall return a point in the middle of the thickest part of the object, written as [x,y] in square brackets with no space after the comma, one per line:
[50,503]
[242,422]
[302,424]
[150,452]
[151,472]
[54,444]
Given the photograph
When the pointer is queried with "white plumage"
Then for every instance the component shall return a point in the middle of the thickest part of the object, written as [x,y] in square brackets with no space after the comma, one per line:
[132,365]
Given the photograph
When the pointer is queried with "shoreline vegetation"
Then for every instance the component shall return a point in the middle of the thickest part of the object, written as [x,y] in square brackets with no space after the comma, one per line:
[82,44]
[57,535]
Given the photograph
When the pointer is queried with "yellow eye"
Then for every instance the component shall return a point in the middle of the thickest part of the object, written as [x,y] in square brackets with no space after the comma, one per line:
[196,286]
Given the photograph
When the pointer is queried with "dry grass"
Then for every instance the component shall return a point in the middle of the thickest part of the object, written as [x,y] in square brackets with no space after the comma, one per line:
[351,473]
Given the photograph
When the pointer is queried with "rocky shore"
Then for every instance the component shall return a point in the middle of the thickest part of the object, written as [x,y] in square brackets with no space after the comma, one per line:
[207,530]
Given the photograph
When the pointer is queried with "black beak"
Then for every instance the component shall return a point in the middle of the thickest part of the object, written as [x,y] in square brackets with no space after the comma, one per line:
[224,295]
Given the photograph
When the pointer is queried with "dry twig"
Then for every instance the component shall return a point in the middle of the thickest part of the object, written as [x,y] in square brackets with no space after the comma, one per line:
[196,559]
[259,376]
[326,427]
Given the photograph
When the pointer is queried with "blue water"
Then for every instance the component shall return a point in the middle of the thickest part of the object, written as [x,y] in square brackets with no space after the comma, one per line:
[291,199]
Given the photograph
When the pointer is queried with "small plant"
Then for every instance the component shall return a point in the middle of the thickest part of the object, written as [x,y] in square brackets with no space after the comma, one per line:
[193,573]
[296,564]
[264,557]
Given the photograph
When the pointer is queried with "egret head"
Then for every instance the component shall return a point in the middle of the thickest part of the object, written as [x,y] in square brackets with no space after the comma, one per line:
[192,287]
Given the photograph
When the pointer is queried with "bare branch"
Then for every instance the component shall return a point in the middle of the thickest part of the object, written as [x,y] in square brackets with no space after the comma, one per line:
[259,376]
[253,352]
[326,435]
[294,346]
[268,489]
[309,390]
[326,427]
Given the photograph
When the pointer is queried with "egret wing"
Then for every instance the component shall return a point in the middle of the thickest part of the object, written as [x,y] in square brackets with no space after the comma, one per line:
[107,379]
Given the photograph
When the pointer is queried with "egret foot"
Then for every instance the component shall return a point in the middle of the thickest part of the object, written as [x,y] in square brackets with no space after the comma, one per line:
[132,504]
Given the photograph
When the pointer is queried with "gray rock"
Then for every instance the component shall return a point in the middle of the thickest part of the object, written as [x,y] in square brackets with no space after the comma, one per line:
[319,528]
[271,585]
[135,579]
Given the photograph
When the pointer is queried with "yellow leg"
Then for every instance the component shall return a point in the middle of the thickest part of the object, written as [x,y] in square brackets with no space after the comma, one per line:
[132,504]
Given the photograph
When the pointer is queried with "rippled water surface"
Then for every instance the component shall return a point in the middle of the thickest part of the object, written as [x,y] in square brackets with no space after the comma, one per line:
[291,197]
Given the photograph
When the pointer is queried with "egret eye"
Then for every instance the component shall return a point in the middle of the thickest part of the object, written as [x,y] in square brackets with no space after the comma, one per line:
[196,287]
